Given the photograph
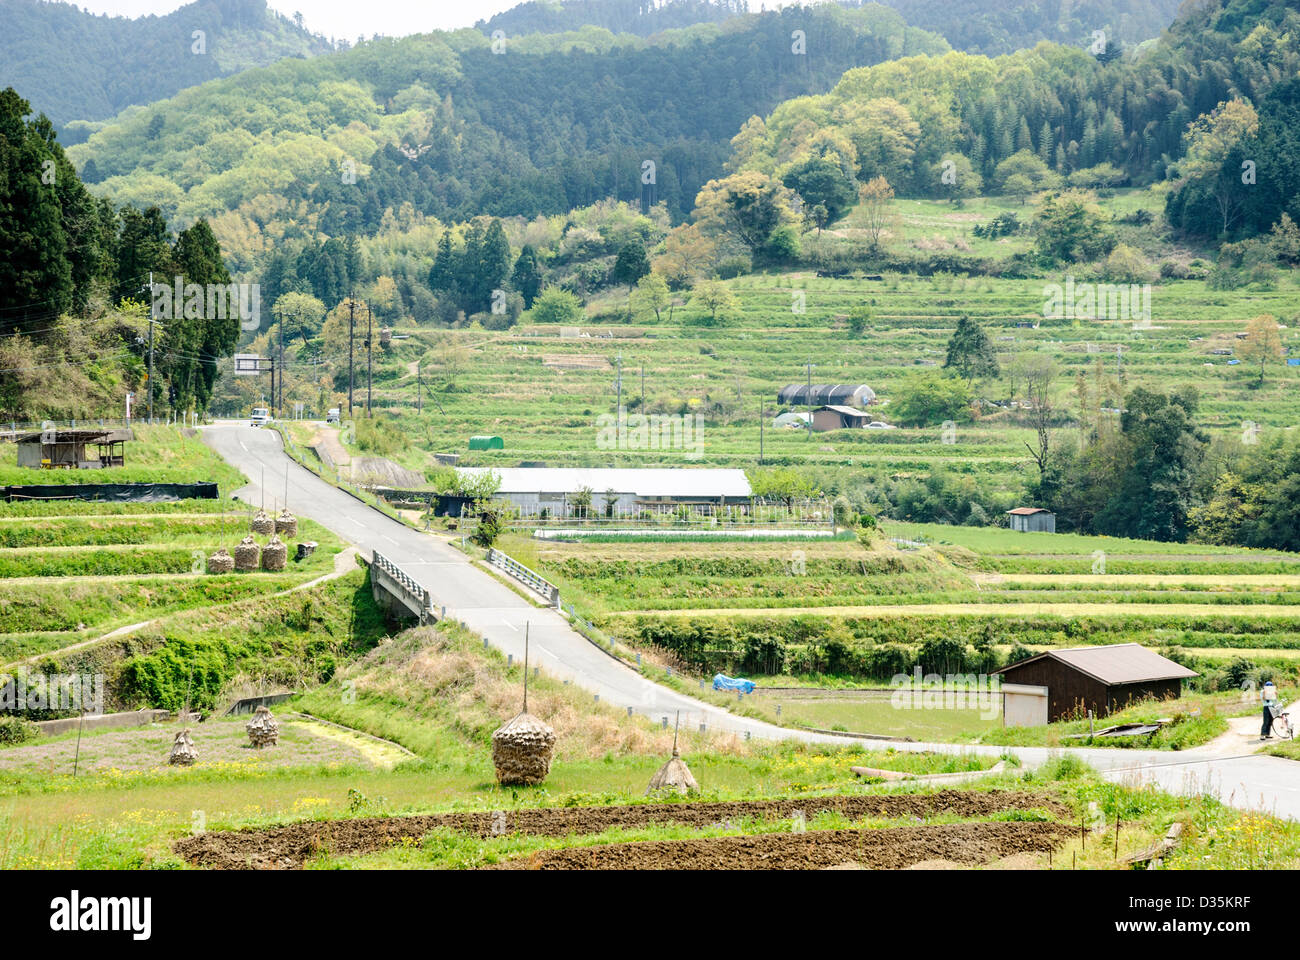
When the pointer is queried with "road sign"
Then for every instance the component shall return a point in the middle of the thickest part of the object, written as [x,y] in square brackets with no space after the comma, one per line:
[250,364]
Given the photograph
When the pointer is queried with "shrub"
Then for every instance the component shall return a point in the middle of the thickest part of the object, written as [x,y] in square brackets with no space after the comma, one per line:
[17,730]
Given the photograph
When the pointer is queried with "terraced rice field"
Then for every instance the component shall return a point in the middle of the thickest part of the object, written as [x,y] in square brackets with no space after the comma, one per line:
[66,579]
[509,384]
[917,581]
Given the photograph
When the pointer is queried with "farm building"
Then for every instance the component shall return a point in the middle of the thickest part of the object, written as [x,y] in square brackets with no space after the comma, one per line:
[1063,684]
[486,443]
[552,488]
[1032,520]
[819,394]
[836,417]
[66,449]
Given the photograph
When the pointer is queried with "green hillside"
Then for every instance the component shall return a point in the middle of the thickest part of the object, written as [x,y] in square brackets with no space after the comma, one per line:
[78,68]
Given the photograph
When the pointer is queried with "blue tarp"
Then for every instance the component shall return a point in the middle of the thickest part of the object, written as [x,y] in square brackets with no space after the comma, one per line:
[731,683]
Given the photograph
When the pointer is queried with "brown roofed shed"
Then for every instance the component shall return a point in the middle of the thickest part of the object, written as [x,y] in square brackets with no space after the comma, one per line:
[1102,679]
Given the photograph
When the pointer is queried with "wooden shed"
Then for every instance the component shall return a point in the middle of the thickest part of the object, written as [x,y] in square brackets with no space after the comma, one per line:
[1065,684]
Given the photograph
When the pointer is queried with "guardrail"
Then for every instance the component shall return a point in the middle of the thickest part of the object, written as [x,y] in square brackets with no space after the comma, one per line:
[531,579]
[417,598]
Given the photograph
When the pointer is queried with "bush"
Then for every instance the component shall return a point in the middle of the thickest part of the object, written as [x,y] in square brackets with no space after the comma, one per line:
[17,730]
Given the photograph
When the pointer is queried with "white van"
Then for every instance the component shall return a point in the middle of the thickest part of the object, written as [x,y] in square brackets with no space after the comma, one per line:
[333,415]
[261,416]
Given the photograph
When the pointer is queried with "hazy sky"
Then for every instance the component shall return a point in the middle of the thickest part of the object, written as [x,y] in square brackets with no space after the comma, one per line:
[343,18]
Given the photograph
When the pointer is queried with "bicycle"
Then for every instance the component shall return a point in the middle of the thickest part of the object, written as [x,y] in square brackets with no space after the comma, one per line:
[1281,728]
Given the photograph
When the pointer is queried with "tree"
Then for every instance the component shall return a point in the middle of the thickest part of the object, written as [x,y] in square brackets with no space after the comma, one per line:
[1210,143]
[930,398]
[715,297]
[1072,228]
[876,199]
[822,182]
[299,315]
[970,352]
[748,206]
[527,276]
[556,305]
[1024,173]
[651,296]
[954,176]
[631,264]
[1262,343]
[689,253]
[1160,450]
[859,320]
[1039,372]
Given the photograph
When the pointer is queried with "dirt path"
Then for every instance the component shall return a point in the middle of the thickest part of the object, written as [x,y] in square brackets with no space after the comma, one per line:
[289,845]
[968,844]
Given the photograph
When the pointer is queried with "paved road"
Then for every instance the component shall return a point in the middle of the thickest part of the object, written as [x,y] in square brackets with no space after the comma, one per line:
[497,613]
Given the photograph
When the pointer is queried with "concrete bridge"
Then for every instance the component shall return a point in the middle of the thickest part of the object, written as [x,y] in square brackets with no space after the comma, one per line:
[397,592]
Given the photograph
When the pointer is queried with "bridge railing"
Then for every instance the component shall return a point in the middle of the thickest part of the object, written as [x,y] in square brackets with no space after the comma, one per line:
[407,583]
[524,575]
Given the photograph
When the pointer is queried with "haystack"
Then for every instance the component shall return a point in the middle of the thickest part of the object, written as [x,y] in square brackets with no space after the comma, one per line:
[262,524]
[263,730]
[674,776]
[221,562]
[274,554]
[183,752]
[247,554]
[522,751]
[286,523]
[523,747]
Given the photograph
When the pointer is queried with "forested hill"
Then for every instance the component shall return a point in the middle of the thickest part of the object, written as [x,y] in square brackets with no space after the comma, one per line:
[640,17]
[990,27]
[76,66]
[443,123]
[993,27]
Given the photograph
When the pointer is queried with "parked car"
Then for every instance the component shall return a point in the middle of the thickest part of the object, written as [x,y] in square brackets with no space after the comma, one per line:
[332,416]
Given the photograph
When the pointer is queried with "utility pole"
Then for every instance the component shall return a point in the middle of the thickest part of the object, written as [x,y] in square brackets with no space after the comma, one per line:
[152,320]
[618,408]
[351,317]
[809,397]
[419,389]
[369,358]
[762,415]
[279,407]
[643,387]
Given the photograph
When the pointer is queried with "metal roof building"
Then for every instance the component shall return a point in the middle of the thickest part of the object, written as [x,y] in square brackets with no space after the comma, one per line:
[1031,520]
[553,487]
[1102,679]
[820,394]
[837,417]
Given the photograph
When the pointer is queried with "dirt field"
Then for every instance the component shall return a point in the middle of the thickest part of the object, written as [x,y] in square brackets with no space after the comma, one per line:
[286,847]
[970,844]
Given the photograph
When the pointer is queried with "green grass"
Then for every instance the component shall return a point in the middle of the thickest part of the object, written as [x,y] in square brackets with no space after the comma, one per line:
[158,454]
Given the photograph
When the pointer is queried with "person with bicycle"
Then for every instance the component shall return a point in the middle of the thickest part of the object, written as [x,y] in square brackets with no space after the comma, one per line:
[1269,695]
